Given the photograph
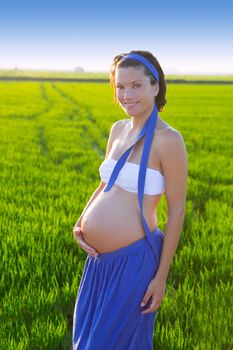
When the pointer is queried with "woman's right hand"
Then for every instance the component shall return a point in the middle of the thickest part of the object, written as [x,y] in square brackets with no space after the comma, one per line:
[81,242]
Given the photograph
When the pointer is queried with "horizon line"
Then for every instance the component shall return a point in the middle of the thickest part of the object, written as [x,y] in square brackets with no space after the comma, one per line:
[63,70]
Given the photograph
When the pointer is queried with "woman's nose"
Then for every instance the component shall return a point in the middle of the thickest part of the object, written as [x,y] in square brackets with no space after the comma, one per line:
[128,93]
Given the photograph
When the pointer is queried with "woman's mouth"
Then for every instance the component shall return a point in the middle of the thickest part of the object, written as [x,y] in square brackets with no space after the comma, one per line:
[130,104]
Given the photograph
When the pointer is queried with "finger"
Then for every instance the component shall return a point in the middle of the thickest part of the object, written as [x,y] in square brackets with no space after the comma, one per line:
[79,236]
[87,246]
[89,251]
[152,308]
[82,242]
[146,297]
[77,231]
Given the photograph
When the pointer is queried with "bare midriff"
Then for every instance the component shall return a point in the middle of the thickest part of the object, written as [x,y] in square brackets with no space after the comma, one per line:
[113,219]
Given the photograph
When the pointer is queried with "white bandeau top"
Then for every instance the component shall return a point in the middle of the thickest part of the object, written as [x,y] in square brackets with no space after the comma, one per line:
[128,177]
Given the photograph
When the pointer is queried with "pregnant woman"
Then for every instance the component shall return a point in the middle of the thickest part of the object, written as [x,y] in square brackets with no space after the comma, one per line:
[129,257]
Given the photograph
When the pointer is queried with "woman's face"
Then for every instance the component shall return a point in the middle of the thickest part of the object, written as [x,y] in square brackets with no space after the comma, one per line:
[134,91]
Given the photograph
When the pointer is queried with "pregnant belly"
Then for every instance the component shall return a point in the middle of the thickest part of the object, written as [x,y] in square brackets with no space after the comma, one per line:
[113,220]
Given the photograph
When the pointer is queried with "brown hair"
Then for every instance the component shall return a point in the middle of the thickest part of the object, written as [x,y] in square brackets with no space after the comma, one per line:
[160,99]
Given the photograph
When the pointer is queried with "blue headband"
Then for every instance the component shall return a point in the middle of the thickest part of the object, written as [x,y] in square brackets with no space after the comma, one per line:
[145,61]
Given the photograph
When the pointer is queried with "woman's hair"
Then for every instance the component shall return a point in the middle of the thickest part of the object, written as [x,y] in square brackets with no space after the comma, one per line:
[160,99]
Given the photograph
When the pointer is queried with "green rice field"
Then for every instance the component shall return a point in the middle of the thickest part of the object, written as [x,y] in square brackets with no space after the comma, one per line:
[53,137]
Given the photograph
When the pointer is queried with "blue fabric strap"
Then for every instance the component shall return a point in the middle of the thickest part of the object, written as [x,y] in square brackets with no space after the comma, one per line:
[121,161]
[148,132]
[144,61]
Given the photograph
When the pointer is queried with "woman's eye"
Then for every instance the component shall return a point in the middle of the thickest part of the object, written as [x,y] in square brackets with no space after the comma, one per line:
[134,86]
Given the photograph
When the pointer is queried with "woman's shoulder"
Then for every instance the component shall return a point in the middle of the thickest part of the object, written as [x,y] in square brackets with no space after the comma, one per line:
[166,138]
[121,122]
[119,125]
[166,131]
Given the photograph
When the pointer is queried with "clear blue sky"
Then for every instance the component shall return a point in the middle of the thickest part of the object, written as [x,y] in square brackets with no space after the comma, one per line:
[186,36]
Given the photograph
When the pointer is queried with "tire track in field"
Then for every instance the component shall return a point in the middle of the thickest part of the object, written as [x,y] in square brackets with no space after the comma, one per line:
[46,109]
[45,96]
[81,112]
[35,115]
[75,109]
[42,140]
[94,143]
[91,119]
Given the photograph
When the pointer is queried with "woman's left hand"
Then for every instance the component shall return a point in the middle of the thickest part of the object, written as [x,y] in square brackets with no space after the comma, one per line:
[155,291]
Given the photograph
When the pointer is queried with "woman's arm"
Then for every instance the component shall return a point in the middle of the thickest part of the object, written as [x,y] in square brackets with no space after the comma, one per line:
[175,168]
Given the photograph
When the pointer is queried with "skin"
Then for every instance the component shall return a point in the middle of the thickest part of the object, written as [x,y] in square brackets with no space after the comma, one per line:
[168,153]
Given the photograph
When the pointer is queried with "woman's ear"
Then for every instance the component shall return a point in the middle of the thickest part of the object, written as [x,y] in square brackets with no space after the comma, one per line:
[156,89]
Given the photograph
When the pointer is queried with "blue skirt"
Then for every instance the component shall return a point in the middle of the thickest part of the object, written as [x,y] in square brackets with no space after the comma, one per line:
[107,313]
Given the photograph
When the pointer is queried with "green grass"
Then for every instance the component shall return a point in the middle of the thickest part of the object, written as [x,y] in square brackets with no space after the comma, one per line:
[53,138]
